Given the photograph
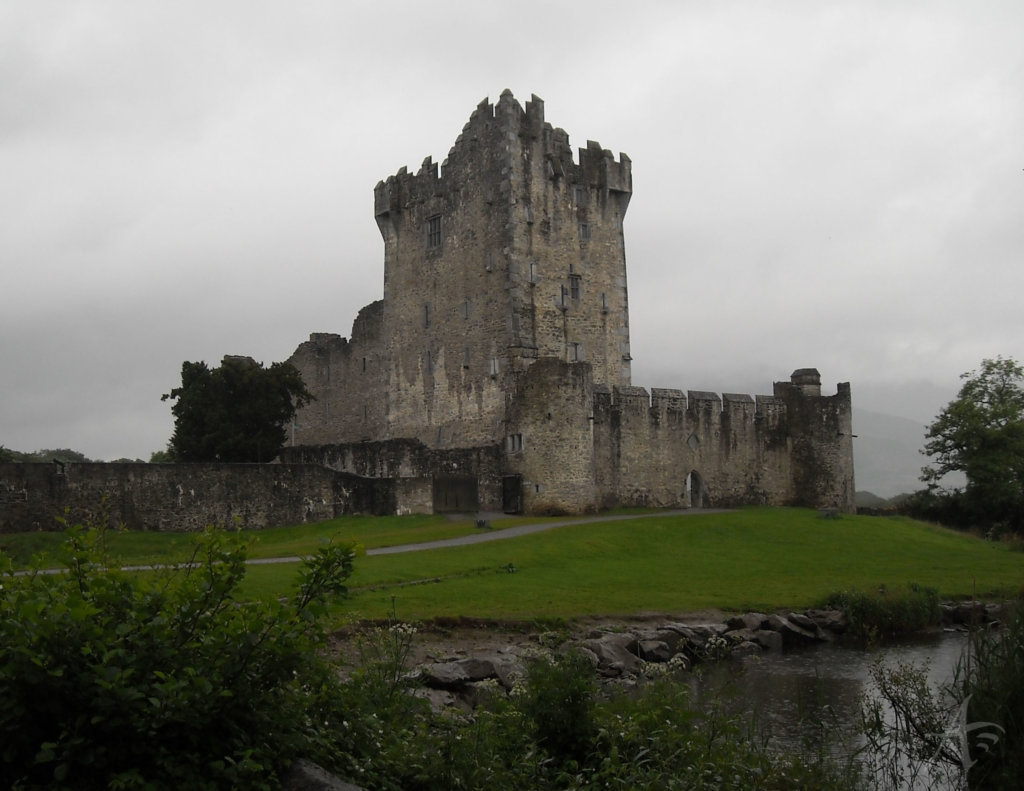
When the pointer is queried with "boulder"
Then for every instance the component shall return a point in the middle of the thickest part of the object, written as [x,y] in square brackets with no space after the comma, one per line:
[768,640]
[737,636]
[829,621]
[455,675]
[792,634]
[671,637]
[745,648]
[651,650]
[803,622]
[965,613]
[613,655]
[749,620]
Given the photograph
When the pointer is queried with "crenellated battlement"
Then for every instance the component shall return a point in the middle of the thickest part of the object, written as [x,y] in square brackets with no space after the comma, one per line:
[659,399]
[489,129]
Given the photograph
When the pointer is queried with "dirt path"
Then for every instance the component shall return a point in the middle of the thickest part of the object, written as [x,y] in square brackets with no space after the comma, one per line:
[504,533]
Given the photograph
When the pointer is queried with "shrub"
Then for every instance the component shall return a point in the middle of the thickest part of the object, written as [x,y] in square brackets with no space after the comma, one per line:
[557,704]
[969,733]
[559,728]
[111,679]
[887,613]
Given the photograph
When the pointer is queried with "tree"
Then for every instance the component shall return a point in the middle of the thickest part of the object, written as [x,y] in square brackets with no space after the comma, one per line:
[981,434]
[234,413]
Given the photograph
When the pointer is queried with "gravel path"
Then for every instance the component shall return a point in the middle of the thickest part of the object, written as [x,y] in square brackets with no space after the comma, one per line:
[473,538]
[504,533]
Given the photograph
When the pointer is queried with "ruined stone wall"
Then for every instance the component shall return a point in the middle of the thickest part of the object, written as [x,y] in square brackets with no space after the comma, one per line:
[413,466]
[346,376]
[183,497]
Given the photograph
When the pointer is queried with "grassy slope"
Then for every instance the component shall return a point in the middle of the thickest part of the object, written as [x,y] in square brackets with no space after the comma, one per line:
[747,559]
[750,559]
[137,548]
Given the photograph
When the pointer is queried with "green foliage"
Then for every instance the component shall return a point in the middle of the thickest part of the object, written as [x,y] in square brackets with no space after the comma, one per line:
[966,734]
[117,680]
[990,680]
[558,705]
[911,731]
[236,412]
[887,613]
[981,434]
[557,728]
[48,454]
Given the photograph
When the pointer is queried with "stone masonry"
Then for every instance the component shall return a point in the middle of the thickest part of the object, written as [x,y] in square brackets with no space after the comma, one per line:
[503,334]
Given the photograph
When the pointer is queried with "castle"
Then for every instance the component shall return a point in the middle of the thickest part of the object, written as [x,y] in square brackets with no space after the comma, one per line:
[495,372]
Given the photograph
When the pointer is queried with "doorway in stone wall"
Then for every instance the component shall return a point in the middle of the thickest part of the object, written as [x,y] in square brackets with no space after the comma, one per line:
[696,492]
[512,494]
[455,493]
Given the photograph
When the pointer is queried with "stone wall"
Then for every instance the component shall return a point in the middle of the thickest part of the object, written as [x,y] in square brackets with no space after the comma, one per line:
[184,497]
[413,467]
[551,438]
[346,376]
[581,446]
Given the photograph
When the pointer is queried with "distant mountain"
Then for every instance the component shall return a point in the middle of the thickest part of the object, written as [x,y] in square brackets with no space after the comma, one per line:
[887,455]
[865,499]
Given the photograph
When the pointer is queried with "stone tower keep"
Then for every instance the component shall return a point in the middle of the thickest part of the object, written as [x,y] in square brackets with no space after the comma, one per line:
[507,252]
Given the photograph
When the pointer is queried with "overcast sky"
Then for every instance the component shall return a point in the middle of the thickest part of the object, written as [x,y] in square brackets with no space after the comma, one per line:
[836,185]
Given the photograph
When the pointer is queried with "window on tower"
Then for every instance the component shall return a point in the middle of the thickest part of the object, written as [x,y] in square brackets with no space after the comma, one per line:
[434,231]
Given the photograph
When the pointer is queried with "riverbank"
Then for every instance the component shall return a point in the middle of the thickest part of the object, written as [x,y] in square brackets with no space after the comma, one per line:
[450,658]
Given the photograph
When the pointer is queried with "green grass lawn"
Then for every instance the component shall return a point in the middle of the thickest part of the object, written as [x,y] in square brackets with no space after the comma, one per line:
[764,559]
[140,548]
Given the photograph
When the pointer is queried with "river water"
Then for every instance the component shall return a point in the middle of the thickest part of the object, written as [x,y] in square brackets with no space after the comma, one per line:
[813,697]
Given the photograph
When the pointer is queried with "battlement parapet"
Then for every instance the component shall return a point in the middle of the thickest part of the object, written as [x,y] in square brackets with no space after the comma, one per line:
[737,398]
[497,123]
[666,398]
[703,399]
[660,398]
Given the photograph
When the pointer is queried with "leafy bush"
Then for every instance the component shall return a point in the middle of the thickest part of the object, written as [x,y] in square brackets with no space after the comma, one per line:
[968,733]
[887,613]
[558,705]
[558,728]
[111,679]
[907,727]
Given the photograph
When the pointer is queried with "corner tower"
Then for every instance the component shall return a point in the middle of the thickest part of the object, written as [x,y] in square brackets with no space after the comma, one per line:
[509,251]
